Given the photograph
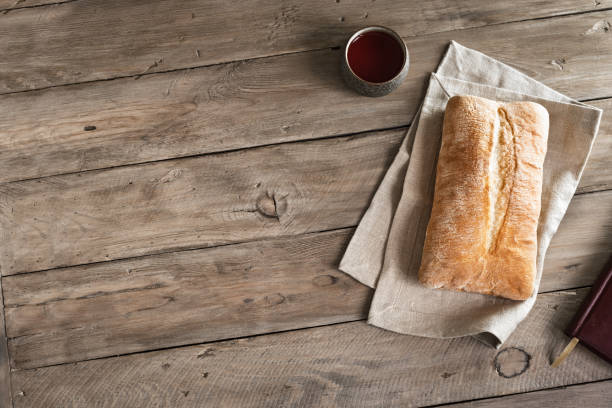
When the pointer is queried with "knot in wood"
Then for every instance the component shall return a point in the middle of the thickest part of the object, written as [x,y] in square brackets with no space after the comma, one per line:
[274,299]
[324,280]
[266,205]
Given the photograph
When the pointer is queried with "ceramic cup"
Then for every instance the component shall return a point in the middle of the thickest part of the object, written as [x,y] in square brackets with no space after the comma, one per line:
[369,88]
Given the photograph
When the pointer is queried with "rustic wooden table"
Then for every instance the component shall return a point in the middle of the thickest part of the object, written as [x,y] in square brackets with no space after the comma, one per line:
[179,179]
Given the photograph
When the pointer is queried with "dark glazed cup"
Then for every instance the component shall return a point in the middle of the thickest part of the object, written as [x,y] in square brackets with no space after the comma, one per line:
[374,88]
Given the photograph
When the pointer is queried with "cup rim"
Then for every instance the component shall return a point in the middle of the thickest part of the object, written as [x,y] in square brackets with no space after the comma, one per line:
[385,30]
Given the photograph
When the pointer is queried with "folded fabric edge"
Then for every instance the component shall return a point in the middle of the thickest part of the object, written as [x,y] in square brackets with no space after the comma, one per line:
[494,61]
[486,336]
[442,78]
[351,264]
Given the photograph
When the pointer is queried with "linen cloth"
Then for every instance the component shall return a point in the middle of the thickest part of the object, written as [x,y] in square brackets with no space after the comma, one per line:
[385,250]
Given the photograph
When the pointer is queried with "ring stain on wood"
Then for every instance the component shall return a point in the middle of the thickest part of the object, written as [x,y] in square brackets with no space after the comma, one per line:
[512,362]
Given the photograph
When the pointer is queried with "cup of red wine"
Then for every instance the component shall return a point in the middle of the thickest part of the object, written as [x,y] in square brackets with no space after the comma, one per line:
[375,61]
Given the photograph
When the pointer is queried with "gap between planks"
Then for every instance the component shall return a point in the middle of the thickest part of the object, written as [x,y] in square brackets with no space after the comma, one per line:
[5,370]
[503,401]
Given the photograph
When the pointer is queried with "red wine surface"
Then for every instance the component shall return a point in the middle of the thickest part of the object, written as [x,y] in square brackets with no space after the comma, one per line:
[375,56]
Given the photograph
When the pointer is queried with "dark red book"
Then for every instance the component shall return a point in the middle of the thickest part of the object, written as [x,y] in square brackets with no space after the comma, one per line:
[592,325]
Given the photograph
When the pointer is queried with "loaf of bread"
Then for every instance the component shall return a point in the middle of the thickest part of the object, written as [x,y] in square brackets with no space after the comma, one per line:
[482,233]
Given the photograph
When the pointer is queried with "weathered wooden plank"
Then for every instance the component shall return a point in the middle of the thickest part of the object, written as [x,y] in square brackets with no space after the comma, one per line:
[270,100]
[197,202]
[581,246]
[5,370]
[160,301]
[181,298]
[160,207]
[598,172]
[349,364]
[72,42]
[592,395]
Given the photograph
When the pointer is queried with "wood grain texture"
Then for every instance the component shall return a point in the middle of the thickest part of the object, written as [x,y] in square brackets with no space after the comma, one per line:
[181,298]
[191,203]
[5,370]
[598,172]
[593,395]
[71,42]
[198,202]
[6,6]
[349,364]
[111,308]
[581,246]
[264,101]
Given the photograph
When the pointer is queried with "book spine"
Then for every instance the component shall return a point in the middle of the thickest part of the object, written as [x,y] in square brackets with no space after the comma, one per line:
[605,278]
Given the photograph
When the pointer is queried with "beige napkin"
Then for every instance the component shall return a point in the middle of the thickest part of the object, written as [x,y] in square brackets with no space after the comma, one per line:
[385,250]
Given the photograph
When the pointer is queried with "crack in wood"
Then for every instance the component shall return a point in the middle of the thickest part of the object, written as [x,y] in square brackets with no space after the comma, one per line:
[167,300]
[13,7]
[266,205]
[89,296]
[571,267]
[155,64]
[17,6]
[23,336]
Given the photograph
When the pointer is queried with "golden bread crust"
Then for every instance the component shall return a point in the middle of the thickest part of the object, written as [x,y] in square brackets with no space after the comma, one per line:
[482,233]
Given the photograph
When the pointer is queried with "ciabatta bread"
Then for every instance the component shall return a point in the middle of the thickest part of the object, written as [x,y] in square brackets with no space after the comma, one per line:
[482,233]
